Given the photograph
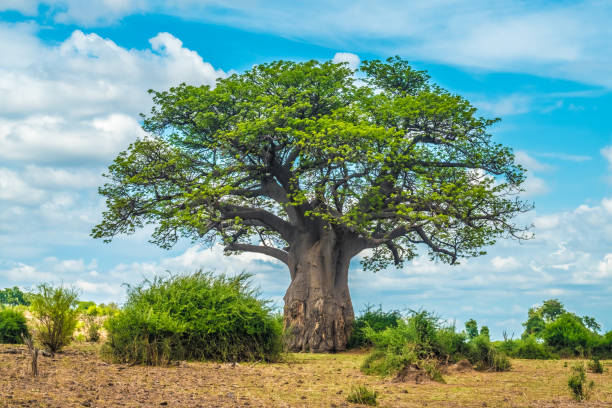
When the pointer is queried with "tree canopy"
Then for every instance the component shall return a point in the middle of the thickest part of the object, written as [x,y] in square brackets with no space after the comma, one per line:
[381,156]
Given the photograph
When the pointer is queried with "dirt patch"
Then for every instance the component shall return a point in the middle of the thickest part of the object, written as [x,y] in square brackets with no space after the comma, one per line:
[412,373]
[79,378]
[461,366]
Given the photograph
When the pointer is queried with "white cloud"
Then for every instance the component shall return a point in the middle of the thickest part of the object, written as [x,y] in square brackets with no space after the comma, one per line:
[534,186]
[567,157]
[62,178]
[607,153]
[507,105]
[565,39]
[529,162]
[504,263]
[14,189]
[351,59]
[23,273]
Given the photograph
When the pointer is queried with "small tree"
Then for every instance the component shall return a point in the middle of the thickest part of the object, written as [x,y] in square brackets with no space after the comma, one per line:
[471,328]
[13,297]
[55,311]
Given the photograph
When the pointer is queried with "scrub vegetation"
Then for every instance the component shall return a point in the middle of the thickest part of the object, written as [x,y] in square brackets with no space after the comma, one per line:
[217,342]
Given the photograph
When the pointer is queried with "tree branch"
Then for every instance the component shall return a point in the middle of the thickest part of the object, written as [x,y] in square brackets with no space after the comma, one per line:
[266,250]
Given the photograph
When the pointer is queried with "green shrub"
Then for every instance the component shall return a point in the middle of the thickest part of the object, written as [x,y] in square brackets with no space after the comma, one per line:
[12,326]
[92,329]
[528,348]
[193,317]
[424,341]
[376,319]
[569,335]
[595,366]
[362,395]
[579,386]
[486,357]
[13,297]
[56,315]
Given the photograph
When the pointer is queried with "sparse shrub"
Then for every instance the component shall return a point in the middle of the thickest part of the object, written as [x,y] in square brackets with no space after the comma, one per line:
[92,329]
[375,319]
[595,366]
[486,357]
[193,317]
[56,315]
[12,326]
[424,341]
[580,388]
[432,368]
[362,395]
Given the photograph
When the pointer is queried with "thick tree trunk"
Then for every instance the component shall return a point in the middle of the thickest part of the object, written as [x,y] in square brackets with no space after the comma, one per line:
[318,309]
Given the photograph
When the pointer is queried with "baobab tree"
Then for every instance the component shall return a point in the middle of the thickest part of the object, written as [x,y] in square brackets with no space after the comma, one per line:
[311,164]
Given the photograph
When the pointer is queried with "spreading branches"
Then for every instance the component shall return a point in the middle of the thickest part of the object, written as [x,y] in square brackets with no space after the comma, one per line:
[287,151]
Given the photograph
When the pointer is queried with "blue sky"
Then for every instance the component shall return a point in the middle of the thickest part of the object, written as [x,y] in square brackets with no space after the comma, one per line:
[74,75]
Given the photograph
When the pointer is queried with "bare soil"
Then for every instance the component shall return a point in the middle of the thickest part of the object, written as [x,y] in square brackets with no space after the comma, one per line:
[79,378]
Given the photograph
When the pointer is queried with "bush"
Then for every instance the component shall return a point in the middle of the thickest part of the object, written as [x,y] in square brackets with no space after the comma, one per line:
[92,329]
[375,319]
[595,366]
[424,341]
[528,348]
[193,317]
[12,326]
[578,385]
[362,395]
[569,335]
[13,297]
[56,315]
[486,357]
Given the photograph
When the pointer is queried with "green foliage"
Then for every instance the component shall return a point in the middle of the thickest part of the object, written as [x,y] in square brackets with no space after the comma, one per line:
[197,317]
[12,326]
[484,356]
[580,388]
[375,319]
[362,395]
[551,309]
[54,309]
[531,348]
[471,328]
[385,158]
[591,323]
[484,331]
[595,366]
[568,332]
[92,329]
[426,342]
[13,297]
[551,331]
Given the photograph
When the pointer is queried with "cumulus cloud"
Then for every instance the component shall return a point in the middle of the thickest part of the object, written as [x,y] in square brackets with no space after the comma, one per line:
[351,59]
[66,110]
[14,189]
[566,39]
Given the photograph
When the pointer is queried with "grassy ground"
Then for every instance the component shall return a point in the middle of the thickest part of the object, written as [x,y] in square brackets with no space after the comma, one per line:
[78,377]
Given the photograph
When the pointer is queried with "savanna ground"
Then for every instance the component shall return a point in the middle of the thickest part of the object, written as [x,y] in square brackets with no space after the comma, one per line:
[78,377]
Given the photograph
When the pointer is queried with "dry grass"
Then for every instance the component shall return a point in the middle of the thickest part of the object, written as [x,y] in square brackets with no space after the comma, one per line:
[78,377]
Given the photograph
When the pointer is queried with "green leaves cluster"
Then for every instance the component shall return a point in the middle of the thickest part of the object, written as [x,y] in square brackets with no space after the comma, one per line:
[56,317]
[12,326]
[380,156]
[193,317]
[13,297]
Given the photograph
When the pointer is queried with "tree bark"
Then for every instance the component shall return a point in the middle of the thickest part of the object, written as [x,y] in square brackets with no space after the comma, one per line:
[318,309]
